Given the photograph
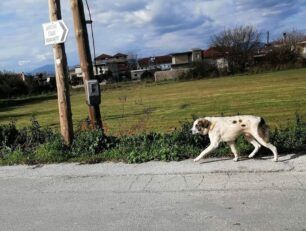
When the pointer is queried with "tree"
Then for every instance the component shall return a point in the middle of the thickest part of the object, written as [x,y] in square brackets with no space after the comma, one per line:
[292,38]
[11,85]
[286,50]
[238,45]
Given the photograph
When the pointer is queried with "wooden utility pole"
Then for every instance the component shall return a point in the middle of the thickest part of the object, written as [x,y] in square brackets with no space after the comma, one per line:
[85,56]
[61,68]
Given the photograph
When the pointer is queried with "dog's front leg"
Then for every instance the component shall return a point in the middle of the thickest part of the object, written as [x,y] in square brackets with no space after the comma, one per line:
[234,150]
[209,149]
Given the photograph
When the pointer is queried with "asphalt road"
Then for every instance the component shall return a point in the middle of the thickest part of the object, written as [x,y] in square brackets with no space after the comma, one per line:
[214,195]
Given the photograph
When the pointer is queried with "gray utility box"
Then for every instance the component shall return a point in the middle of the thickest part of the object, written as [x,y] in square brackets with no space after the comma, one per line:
[93,92]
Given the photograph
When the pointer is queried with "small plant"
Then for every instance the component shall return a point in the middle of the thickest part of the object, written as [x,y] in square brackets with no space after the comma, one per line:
[53,151]
[291,138]
[88,143]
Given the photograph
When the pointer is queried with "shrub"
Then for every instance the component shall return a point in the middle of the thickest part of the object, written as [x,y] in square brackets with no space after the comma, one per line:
[200,70]
[88,143]
[13,157]
[291,138]
[8,134]
[26,139]
[53,151]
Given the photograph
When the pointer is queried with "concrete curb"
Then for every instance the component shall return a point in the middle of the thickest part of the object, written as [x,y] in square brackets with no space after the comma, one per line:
[292,162]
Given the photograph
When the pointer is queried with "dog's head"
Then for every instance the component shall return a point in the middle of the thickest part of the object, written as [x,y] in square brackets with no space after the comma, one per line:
[201,126]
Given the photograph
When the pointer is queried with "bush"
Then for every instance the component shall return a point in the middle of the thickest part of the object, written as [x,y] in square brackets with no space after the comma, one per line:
[53,151]
[200,70]
[13,157]
[291,138]
[88,143]
[8,134]
[26,139]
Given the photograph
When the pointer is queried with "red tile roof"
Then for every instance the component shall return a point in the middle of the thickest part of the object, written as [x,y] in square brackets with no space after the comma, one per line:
[103,57]
[212,53]
[119,55]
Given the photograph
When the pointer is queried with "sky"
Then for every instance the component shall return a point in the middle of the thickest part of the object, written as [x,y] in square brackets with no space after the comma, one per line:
[142,27]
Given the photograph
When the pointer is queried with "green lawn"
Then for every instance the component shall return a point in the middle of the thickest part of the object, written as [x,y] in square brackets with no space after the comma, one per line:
[144,107]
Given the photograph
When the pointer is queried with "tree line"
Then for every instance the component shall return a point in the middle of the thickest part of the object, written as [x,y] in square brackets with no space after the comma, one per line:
[12,85]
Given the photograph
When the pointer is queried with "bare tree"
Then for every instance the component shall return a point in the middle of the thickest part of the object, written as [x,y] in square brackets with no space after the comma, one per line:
[238,45]
[286,50]
[291,39]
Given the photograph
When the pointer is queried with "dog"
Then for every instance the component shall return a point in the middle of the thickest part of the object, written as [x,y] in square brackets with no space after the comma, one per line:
[227,129]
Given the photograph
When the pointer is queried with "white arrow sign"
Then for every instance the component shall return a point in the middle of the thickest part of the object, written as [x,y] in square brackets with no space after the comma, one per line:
[55,32]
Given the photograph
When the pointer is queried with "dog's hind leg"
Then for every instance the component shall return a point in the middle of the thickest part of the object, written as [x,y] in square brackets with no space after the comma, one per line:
[267,145]
[234,150]
[254,143]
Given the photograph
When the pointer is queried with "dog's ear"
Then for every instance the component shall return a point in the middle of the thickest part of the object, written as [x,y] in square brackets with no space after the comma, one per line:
[204,123]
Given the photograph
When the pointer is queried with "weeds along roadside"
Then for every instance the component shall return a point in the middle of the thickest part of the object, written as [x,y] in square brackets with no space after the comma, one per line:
[37,145]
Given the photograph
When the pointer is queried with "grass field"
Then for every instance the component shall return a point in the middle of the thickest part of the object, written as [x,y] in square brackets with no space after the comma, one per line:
[142,107]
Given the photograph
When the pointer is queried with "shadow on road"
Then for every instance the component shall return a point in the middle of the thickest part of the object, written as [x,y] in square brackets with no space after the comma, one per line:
[291,157]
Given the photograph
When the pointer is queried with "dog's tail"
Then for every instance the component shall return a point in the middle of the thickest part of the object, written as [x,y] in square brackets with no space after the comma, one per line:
[263,130]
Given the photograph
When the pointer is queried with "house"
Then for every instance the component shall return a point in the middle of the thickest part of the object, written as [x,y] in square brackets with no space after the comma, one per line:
[215,57]
[260,56]
[76,73]
[117,64]
[146,67]
[156,62]
[181,63]
[302,46]
[185,59]
[137,74]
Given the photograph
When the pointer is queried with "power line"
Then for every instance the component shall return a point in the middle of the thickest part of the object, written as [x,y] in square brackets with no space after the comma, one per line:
[92,34]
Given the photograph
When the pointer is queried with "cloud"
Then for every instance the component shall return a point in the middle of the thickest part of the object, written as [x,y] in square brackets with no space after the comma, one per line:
[23,62]
[145,27]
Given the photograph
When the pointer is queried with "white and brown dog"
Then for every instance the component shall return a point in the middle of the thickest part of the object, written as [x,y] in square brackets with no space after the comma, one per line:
[227,129]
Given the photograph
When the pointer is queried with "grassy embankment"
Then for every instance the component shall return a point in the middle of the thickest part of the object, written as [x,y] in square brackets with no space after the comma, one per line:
[160,106]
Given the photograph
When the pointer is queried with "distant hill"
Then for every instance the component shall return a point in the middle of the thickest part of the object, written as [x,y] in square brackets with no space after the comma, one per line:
[49,68]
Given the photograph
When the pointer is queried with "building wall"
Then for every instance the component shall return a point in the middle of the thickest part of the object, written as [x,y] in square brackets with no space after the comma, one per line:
[181,59]
[196,55]
[222,63]
[136,74]
[168,75]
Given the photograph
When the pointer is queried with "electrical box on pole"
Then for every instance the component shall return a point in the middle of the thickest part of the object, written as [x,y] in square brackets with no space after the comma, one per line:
[93,92]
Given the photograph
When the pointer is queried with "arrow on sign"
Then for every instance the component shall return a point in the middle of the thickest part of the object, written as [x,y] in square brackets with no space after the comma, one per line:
[55,32]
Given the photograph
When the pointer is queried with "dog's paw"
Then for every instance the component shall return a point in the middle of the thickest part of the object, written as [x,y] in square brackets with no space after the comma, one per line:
[275,159]
[196,159]
[251,156]
[235,159]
